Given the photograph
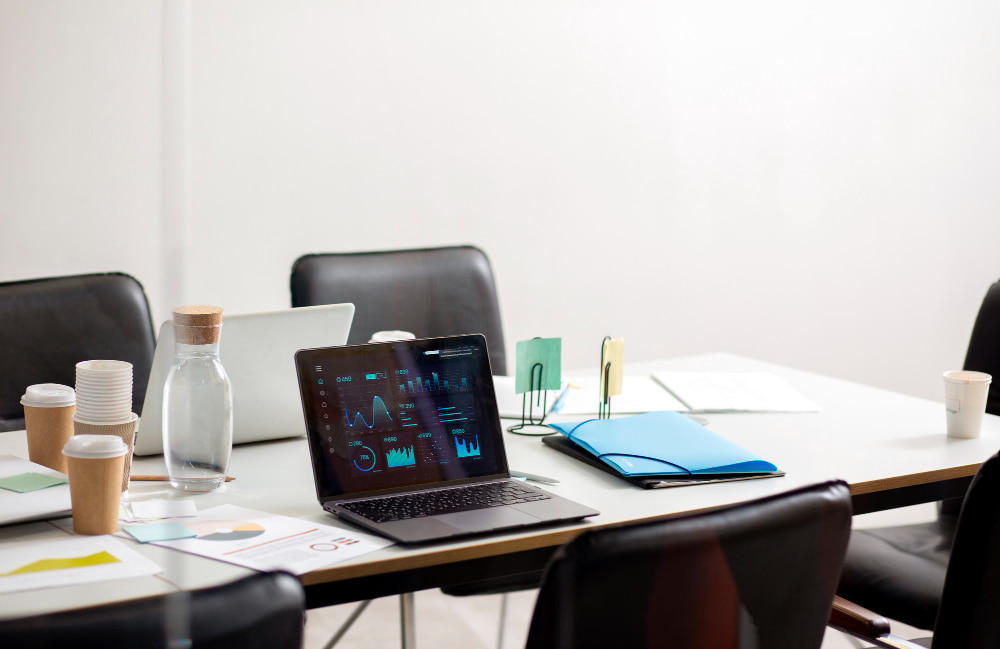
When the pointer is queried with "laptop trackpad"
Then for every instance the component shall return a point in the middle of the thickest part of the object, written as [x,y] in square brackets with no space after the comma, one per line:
[489,519]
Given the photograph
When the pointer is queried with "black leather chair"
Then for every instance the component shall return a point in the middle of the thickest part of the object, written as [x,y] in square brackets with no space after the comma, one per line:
[49,325]
[761,574]
[900,571]
[969,602]
[429,291]
[265,610]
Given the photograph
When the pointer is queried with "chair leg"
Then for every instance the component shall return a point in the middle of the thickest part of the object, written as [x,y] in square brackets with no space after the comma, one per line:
[406,620]
[503,620]
[358,610]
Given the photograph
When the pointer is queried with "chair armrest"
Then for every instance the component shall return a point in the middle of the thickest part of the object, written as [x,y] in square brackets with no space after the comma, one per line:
[858,621]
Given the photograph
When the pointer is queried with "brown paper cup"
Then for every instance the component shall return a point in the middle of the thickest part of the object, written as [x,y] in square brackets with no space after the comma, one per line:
[95,491]
[48,429]
[125,431]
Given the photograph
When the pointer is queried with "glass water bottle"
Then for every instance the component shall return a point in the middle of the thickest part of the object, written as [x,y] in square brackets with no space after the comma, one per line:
[197,403]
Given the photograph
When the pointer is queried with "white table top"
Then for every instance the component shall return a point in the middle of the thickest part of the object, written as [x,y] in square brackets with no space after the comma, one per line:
[871,438]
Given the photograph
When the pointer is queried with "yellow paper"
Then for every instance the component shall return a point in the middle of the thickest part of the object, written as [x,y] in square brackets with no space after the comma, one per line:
[613,358]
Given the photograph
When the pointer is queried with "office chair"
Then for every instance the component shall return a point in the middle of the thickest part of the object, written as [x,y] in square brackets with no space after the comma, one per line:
[429,291]
[761,574]
[265,610]
[900,571]
[970,599]
[49,325]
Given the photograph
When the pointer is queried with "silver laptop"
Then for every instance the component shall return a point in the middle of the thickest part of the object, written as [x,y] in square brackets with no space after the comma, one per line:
[406,441]
[257,350]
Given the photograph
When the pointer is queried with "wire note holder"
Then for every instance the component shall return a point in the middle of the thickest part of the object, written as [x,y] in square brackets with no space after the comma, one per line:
[539,365]
[612,359]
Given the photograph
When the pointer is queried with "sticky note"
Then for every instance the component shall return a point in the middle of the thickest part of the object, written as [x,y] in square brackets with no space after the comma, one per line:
[159,532]
[613,359]
[24,482]
[546,353]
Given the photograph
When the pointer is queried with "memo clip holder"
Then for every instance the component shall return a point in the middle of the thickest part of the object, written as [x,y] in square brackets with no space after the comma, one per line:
[610,374]
[535,396]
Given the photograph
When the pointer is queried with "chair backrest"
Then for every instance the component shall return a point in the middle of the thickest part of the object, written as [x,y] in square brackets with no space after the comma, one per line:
[49,325]
[265,610]
[760,574]
[967,616]
[983,353]
[430,292]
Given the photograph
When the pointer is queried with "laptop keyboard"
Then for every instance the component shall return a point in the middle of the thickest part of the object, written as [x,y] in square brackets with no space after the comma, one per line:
[443,501]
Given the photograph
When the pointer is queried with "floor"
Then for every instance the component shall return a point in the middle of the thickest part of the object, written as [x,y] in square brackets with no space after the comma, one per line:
[472,622]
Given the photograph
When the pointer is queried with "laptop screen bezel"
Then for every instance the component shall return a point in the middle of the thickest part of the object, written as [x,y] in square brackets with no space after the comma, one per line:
[328,488]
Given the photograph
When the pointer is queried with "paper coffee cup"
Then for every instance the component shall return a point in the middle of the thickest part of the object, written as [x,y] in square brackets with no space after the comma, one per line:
[965,395]
[48,419]
[125,431]
[389,336]
[95,468]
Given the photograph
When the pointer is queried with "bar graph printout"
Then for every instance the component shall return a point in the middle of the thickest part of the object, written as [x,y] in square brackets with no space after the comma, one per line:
[69,561]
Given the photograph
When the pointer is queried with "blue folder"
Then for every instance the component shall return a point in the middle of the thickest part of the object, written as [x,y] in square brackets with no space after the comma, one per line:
[662,443]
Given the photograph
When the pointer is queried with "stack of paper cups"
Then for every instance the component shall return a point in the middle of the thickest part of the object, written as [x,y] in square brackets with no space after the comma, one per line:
[104,404]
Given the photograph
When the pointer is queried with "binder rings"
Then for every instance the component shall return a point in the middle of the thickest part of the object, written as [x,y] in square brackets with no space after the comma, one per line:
[663,445]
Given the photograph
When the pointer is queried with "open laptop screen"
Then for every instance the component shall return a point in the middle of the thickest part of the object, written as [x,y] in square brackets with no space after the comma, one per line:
[388,417]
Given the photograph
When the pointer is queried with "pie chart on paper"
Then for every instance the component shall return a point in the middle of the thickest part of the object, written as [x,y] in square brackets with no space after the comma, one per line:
[223,530]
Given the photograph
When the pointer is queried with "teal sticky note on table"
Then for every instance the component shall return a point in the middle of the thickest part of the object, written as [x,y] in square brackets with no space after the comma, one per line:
[159,532]
[547,354]
[31,481]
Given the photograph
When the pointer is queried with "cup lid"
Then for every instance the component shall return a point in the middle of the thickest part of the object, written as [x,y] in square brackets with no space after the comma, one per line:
[967,376]
[390,336]
[102,366]
[95,446]
[48,395]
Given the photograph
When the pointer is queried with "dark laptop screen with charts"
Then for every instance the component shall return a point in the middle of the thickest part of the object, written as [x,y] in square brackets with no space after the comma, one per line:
[409,416]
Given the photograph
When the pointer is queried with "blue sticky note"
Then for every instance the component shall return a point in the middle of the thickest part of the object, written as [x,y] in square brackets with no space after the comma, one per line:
[31,481]
[159,532]
[546,354]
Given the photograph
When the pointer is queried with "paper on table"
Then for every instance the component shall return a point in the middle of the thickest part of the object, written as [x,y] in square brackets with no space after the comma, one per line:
[266,541]
[30,565]
[639,394]
[33,505]
[734,392]
[157,508]
[510,403]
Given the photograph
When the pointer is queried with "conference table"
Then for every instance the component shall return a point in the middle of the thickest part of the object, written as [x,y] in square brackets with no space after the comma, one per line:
[890,448]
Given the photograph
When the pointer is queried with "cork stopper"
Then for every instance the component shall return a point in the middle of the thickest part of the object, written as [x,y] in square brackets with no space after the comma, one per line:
[197,324]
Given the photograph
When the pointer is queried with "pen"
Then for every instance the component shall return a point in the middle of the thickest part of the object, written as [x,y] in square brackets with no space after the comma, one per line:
[162,478]
[533,476]
[560,403]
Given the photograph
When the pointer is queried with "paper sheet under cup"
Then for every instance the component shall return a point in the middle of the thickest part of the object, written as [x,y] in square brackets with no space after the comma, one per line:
[48,429]
[126,431]
[94,489]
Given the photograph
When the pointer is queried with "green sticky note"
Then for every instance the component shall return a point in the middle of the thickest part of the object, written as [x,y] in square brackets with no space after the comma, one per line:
[546,352]
[24,482]
[159,532]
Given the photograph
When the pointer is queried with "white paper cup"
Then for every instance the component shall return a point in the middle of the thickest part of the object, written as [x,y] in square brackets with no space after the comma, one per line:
[101,369]
[965,395]
[389,336]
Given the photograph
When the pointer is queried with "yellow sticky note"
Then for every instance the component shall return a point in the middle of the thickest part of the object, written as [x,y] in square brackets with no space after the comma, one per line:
[613,356]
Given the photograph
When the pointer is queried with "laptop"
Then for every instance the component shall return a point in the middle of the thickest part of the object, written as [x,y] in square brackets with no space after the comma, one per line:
[257,351]
[406,441]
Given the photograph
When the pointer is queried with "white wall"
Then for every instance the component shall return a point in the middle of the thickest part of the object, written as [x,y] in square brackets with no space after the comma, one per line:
[815,186]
